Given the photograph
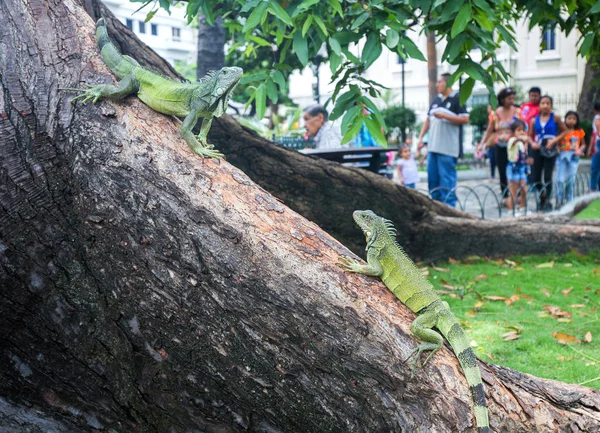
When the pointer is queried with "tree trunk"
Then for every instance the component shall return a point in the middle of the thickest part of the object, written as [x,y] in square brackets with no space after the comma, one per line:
[211,46]
[432,65]
[589,90]
[147,290]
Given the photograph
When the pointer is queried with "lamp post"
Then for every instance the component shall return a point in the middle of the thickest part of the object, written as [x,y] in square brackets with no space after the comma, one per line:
[314,67]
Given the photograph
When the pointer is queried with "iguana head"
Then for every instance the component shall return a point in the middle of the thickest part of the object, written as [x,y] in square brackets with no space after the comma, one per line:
[377,230]
[221,84]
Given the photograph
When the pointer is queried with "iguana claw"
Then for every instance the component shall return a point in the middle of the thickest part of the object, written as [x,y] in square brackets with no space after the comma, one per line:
[349,264]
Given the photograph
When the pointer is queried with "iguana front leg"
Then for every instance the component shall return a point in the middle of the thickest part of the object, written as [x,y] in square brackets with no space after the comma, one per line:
[198,144]
[127,86]
[373,268]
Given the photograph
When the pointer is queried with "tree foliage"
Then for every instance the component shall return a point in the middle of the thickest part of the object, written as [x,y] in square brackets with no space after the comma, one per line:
[354,33]
[399,116]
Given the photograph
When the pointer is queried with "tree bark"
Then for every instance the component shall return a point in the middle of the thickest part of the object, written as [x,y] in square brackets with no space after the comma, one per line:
[211,46]
[589,90]
[147,290]
[432,66]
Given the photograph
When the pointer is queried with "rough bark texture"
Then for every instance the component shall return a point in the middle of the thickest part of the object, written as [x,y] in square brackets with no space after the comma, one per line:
[589,90]
[146,290]
[432,66]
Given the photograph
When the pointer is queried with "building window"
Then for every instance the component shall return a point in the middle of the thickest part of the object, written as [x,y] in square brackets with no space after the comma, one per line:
[154,29]
[129,24]
[176,33]
[142,27]
[549,40]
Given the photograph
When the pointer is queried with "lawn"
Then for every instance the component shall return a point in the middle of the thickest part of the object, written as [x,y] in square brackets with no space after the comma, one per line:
[590,212]
[537,314]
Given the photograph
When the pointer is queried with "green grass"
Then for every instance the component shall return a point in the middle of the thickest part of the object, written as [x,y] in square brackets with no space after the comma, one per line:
[569,282]
[591,212]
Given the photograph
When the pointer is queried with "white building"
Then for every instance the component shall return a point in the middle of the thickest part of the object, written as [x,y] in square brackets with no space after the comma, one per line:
[557,70]
[168,35]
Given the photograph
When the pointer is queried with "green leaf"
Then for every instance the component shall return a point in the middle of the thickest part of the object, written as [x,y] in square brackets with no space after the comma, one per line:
[165,4]
[349,118]
[334,62]
[337,7]
[391,38]
[150,15]
[372,49]
[272,91]
[354,130]
[250,78]
[360,20]
[411,49]
[279,12]
[483,21]
[301,48]
[261,101]
[586,45]
[255,17]
[278,77]
[462,19]
[335,46]
[321,24]
[260,41]
[306,25]
[375,129]
[465,90]
[596,8]
[344,102]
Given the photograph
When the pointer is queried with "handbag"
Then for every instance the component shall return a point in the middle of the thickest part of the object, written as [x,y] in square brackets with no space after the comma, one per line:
[548,153]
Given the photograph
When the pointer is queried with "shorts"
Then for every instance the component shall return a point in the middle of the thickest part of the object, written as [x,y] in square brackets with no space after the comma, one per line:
[516,172]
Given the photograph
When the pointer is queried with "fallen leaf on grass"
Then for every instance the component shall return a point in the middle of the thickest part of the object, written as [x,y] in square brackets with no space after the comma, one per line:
[588,337]
[496,298]
[561,358]
[478,304]
[596,271]
[568,265]
[447,285]
[471,313]
[520,269]
[510,263]
[563,338]
[511,335]
[564,320]
[577,306]
[489,355]
[557,312]
[453,261]
[545,265]
[504,273]
[481,277]
[567,291]
[545,292]
[440,269]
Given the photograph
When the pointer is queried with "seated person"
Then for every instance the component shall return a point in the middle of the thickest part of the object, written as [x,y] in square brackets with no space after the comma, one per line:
[324,134]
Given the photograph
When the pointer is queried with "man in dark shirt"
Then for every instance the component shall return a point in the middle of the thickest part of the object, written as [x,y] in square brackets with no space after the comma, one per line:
[445,118]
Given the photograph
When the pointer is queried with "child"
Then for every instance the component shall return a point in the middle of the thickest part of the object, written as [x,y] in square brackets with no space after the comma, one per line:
[408,173]
[570,149]
[516,169]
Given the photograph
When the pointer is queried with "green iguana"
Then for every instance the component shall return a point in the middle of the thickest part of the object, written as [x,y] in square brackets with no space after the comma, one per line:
[385,259]
[207,98]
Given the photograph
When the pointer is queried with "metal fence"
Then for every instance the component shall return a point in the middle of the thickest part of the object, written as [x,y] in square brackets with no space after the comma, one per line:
[485,201]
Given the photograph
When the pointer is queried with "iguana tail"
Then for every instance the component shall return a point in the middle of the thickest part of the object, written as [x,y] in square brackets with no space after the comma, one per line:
[119,64]
[451,329]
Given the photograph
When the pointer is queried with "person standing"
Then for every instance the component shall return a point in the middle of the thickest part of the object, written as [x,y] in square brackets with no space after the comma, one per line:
[531,108]
[499,124]
[543,128]
[445,119]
